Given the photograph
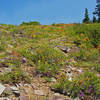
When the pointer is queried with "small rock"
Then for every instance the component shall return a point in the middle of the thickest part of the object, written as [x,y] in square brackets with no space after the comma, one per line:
[4,98]
[68,66]
[77,98]
[17,93]
[65,49]
[68,94]
[98,97]
[69,74]
[70,79]
[34,86]
[56,94]
[17,85]
[22,98]
[8,51]
[24,60]
[2,88]
[74,69]
[53,80]
[10,46]
[79,70]
[39,92]
[59,98]
[14,88]
[3,65]
[38,33]
[8,69]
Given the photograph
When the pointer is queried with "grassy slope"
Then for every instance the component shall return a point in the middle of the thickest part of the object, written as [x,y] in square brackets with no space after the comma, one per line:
[35,45]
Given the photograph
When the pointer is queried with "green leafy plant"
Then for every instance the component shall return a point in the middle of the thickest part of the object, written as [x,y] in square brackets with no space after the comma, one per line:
[97,67]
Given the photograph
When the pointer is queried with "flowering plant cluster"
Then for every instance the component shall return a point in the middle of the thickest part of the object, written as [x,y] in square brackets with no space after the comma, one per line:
[85,86]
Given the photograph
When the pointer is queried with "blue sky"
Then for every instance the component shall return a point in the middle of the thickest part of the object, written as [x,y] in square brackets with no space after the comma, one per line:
[44,11]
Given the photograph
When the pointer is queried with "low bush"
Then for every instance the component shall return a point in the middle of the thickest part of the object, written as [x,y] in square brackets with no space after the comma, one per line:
[31,23]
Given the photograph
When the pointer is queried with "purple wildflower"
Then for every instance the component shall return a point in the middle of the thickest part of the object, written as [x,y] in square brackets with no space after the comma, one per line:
[90,90]
[0,32]
[24,60]
[82,94]
[98,75]
[6,58]
[48,74]
[95,91]
[22,98]
[90,97]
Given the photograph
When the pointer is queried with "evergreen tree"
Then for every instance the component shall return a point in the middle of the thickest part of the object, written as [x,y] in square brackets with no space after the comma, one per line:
[97,10]
[94,19]
[86,19]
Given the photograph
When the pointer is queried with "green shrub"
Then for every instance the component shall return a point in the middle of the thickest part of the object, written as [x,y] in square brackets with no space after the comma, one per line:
[48,79]
[31,23]
[94,36]
[97,67]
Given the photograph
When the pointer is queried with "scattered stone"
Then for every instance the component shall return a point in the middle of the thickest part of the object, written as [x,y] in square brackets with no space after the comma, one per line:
[98,97]
[68,66]
[17,85]
[8,69]
[65,49]
[34,86]
[2,60]
[10,46]
[77,98]
[59,98]
[74,69]
[14,88]
[24,60]
[3,65]
[39,92]
[38,33]
[79,70]
[56,94]
[69,74]
[70,79]
[2,88]
[4,98]
[9,51]
[53,80]
[17,93]
[22,98]
[68,93]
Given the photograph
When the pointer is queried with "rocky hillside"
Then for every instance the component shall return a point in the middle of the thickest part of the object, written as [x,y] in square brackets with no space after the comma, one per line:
[50,62]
